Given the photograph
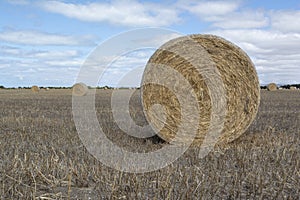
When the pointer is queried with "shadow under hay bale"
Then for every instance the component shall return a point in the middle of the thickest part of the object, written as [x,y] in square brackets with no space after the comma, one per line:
[112,130]
[138,116]
[196,53]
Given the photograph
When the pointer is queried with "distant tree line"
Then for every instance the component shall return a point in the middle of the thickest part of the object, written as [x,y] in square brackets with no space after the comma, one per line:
[108,87]
[27,87]
[284,86]
[289,86]
[63,87]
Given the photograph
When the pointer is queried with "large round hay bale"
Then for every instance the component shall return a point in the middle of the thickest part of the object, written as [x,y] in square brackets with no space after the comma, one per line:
[293,88]
[80,89]
[272,87]
[210,65]
[35,88]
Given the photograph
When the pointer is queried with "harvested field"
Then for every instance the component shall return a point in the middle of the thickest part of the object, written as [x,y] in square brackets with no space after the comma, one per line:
[42,156]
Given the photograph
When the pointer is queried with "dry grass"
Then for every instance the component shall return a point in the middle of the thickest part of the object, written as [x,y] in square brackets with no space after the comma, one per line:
[43,158]
[236,72]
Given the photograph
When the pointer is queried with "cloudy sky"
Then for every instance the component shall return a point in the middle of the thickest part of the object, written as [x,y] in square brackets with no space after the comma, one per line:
[46,42]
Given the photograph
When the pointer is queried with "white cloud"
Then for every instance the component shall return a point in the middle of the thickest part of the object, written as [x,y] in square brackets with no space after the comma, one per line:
[40,38]
[271,38]
[272,52]
[263,38]
[46,55]
[24,72]
[209,8]
[158,39]
[64,63]
[23,53]
[128,13]
[242,19]
[286,21]
[18,2]
[226,14]
[9,50]
[127,69]
[22,65]
[254,48]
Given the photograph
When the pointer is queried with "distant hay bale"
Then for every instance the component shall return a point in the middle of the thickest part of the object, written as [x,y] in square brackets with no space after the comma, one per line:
[105,88]
[80,89]
[47,89]
[293,88]
[272,87]
[237,72]
[35,89]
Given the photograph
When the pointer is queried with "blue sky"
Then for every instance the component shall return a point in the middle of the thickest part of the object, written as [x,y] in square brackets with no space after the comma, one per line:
[46,42]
